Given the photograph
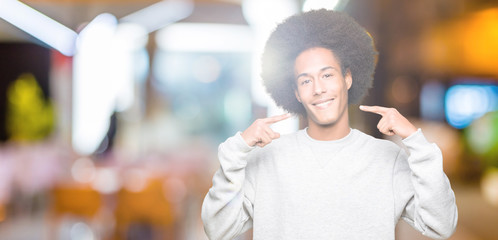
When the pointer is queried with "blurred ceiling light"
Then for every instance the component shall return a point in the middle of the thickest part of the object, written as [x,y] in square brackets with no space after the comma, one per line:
[482,137]
[489,186]
[465,103]
[263,16]
[39,26]
[129,42]
[327,4]
[93,84]
[102,26]
[135,179]
[266,14]
[81,230]
[106,180]
[160,14]
[106,68]
[479,41]
[131,36]
[83,170]
[466,46]
[205,37]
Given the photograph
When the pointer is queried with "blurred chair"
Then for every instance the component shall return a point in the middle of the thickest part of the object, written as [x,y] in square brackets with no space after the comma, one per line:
[76,200]
[144,214]
[3,212]
[73,202]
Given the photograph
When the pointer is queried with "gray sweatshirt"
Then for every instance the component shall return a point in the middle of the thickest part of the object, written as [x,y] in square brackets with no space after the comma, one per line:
[357,187]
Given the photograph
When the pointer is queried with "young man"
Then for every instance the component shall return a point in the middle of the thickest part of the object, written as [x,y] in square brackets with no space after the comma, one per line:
[327,181]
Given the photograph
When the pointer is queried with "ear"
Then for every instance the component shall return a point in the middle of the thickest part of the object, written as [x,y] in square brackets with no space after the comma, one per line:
[297,95]
[348,78]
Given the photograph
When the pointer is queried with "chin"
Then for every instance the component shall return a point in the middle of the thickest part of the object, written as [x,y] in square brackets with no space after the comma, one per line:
[324,122]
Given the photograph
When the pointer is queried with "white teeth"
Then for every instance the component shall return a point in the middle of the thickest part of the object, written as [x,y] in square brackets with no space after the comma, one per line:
[323,104]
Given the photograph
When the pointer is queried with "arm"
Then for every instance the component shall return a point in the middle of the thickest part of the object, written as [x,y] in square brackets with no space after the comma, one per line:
[419,180]
[430,204]
[227,209]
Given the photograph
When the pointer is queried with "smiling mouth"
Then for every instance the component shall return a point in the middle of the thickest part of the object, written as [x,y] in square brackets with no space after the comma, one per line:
[323,103]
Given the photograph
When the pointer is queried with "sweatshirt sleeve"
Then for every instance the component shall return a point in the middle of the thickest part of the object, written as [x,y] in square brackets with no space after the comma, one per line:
[228,206]
[423,189]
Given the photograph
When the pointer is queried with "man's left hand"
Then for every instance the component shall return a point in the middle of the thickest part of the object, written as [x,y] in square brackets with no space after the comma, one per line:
[392,122]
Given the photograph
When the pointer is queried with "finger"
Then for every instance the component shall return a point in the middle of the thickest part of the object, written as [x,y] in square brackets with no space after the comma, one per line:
[381,123]
[260,144]
[272,134]
[265,140]
[276,135]
[386,128]
[374,109]
[275,119]
[389,132]
[383,126]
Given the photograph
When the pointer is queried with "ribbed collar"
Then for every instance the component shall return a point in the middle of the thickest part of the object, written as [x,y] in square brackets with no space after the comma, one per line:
[303,134]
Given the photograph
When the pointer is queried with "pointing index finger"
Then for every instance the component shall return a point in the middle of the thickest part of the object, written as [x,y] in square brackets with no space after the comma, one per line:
[373,109]
[278,118]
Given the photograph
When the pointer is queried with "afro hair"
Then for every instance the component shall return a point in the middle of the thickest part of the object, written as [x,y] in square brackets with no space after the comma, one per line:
[336,31]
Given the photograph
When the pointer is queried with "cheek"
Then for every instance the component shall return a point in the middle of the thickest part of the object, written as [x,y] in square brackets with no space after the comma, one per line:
[333,87]
[300,94]
[338,86]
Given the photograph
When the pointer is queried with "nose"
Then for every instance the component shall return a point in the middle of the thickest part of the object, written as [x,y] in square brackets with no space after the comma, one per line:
[318,87]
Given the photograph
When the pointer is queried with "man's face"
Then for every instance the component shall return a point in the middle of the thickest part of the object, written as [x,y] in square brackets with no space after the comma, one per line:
[321,86]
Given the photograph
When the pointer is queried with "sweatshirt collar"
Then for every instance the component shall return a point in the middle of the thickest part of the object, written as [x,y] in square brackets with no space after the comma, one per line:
[304,134]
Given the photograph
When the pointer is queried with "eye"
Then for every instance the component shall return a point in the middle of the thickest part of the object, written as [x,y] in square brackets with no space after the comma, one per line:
[327,75]
[306,81]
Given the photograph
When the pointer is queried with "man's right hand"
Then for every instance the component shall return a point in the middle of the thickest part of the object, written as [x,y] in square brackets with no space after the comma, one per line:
[260,134]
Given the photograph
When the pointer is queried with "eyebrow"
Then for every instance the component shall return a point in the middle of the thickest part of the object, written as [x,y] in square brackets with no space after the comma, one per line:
[321,70]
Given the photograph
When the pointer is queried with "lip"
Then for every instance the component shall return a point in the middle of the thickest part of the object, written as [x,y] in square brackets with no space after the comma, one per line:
[323,103]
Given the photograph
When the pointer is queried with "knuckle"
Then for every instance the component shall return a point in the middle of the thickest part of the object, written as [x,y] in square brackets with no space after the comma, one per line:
[259,131]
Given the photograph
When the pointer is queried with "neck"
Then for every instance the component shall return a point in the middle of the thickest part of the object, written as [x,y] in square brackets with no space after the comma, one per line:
[330,132]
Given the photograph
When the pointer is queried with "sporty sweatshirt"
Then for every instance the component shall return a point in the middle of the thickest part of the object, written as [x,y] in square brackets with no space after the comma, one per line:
[357,187]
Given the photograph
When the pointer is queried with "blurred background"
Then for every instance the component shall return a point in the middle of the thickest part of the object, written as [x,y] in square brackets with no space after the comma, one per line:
[111,111]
